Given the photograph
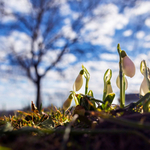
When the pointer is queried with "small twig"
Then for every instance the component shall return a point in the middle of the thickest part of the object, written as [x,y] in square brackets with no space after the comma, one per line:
[67,132]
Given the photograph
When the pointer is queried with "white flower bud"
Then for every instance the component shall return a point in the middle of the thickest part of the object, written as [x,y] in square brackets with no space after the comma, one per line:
[143,67]
[118,82]
[109,89]
[128,67]
[67,103]
[144,87]
[78,82]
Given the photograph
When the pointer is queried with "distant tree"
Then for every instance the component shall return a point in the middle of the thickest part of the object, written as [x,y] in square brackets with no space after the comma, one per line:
[45,26]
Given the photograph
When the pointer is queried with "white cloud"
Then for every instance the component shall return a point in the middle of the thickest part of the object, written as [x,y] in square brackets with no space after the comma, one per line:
[67,21]
[107,56]
[50,56]
[3,54]
[140,34]
[101,30]
[23,6]
[65,9]
[19,40]
[68,32]
[127,33]
[106,9]
[146,45]
[102,40]
[147,38]
[16,97]
[147,22]
[6,19]
[60,43]
[130,47]
[140,8]
[66,60]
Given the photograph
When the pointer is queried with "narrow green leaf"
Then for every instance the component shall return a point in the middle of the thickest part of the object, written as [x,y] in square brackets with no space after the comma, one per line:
[48,124]
[7,127]
[109,98]
[4,148]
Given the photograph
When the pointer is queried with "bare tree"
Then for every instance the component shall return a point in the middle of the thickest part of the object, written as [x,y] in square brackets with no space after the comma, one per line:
[45,22]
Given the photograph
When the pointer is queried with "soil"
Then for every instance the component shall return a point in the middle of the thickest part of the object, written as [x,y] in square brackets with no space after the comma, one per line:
[89,132]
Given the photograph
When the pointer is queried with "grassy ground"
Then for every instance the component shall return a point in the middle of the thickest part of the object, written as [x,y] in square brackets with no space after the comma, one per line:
[76,129]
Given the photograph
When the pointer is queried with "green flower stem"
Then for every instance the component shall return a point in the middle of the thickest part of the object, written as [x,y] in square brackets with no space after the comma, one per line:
[123,90]
[121,83]
[87,77]
[122,79]
[75,98]
[86,86]
[104,92]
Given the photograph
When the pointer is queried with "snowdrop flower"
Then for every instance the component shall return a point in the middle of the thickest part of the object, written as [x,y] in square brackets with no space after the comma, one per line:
[144,87]
[78,82]
[118,82]
[67,103]
[143,66]
[128,65]
[107,84]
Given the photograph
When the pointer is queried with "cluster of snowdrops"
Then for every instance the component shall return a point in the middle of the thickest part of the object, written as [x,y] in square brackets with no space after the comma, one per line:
[126,68]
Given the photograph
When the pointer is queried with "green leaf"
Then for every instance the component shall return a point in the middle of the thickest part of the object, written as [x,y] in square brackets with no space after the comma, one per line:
[79,98]
[4,148]
[87,103]
[109,98]
[48,124]
[146,106]
[7,127]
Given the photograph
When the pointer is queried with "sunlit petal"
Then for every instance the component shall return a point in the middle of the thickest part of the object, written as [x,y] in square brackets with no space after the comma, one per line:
[118,83]
[67,103]
[109,89]
[144,87]
[78,83]
[128,67]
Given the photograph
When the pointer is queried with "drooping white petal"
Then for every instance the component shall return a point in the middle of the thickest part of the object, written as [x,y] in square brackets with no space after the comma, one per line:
[144,87]
[128,67]
[78,83]
[67,103]
[118,82]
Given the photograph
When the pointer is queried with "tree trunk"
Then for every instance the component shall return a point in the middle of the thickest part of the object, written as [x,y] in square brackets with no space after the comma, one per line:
[38,94]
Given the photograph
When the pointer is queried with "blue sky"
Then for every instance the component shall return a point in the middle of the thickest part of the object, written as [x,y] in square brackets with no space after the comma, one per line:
[17,91]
